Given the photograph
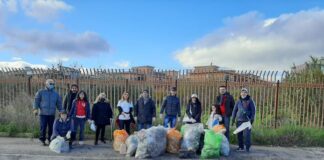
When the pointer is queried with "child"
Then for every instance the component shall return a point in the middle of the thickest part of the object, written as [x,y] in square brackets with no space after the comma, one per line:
[101,115]
[80,113]
[215,117]
[63,127]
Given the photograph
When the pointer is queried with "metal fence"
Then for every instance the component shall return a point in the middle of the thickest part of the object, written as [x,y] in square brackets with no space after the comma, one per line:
[281,98]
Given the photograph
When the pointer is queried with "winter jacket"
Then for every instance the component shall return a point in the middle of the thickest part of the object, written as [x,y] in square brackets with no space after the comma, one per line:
[244,110]
[73,111]
[68,100]
[60,127]
[102,113]
[194,111]
[229,104]
[144,112]
[48,101]
[171,106]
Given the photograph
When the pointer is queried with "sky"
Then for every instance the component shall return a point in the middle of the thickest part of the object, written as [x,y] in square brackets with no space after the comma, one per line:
[177,34]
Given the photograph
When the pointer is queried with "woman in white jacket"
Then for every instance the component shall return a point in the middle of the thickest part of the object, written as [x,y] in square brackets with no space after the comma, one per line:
[215,117]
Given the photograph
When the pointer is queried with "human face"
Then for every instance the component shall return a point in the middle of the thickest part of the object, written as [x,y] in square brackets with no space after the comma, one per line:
[222,90]
[244,94]
[63,116]
[145,94]
[173,93]
[50,84]
[74,89]
[81,95]
[213,108]
[194,99]
[125,96]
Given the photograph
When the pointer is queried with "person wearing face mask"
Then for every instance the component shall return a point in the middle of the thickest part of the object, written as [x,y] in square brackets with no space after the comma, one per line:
[225,102]
[101,115]
[144,111]
[67,103]
[63,127]
[171,108]
[46,102]
[244,111]
[80,113]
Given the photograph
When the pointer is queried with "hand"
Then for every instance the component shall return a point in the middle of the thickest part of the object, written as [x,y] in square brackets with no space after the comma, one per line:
[135,118]
[161,116]
[193,120]
[35,112]
[68,135]
[153,119]
[89,121]
[179,119]
[252,120]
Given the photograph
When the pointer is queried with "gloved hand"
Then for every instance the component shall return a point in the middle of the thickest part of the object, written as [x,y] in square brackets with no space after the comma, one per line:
[35,111]
[179,119]
[68,135]
[161,116]
[153,119]
[89,121]
[193,120]
[135,118]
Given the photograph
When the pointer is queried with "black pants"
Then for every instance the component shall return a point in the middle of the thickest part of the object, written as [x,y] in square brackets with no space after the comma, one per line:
[100,128]
[46,121]
[125,124]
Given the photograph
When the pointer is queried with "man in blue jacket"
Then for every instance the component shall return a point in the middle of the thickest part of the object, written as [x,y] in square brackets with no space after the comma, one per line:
[244,111]
[171,108]
[46,103]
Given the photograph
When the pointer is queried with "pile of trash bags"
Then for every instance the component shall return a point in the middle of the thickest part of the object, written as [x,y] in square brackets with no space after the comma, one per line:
[120,137]
[151,142]
[212,145]
[173,140]
[59,145]
[191,136]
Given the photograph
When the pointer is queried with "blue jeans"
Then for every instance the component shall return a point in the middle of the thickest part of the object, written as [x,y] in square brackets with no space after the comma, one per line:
[79,123]
[170,119]
[141,126]
[46,121]
[244,137]
[226,122]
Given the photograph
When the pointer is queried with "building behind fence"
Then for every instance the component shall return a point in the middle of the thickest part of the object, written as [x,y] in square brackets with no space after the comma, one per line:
[280,100]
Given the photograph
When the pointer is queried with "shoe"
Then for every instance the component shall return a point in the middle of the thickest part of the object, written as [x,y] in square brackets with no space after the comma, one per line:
[96,143]
[240,149]
[247,150]
[103,141]
[81,143]
[43,143]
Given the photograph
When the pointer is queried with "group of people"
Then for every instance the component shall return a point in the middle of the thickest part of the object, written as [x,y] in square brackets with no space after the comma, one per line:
[76,112]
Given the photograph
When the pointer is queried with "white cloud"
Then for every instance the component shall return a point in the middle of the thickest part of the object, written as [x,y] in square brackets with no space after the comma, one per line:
[56,60]
[44,10]
[9,5]
[16,58]
[250,41]
[20,64]
[122,64]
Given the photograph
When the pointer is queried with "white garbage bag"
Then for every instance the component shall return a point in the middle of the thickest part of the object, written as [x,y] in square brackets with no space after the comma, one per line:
[59,145]
[225,147]
[242,127]
[93,126]
[132,143]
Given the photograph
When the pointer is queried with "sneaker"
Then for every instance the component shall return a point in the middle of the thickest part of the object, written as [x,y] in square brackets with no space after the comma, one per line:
[103,141]
[239,149]
[247,150]
[43,143]
[81,143]
[96,143]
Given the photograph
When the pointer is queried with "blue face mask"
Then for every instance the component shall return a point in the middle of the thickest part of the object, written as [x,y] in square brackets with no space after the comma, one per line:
[51,86]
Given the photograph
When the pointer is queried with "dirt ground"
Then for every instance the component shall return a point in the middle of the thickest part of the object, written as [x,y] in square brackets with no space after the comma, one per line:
[27,149]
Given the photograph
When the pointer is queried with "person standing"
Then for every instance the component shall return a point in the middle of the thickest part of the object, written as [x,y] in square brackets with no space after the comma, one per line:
[125,108]
[171,108]
[244,111]
[46,102]
[101,115]
[144,111]
[67,103]
[80,113]
[226,103]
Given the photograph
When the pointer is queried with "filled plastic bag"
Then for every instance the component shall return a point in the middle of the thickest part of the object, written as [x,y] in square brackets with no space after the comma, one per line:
[212,145]
[59,145]
[151,142]
[120,137]
[219,129]
[191,135]
[132,143]
[225,147]
[243,126]
[93,127]
[173,140]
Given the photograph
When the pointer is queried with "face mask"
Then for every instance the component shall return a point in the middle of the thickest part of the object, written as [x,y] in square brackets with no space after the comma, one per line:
[51,86]
[243,97]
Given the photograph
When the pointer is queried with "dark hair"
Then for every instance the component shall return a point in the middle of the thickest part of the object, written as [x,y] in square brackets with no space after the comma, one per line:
[85,96]
[74,85]
[145,90]
[217,109]
[197,101]
[222,86]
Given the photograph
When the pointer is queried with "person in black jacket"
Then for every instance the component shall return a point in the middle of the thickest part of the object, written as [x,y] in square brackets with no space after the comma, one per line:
[226,103]
[171,108]
[101,115]
[144,111]
[68,99]
[194,109]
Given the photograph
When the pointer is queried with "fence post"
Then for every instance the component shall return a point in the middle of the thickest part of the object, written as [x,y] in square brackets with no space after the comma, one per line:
[126,85]
[276,103]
